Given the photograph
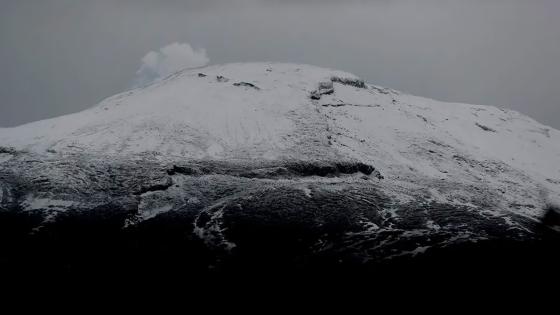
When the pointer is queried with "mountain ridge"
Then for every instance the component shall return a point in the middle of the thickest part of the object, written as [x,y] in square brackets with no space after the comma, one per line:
[277,164]
[276,111]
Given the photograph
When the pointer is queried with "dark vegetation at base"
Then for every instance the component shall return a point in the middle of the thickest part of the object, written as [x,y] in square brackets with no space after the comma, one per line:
[93,246]
[551,216]
[282,233]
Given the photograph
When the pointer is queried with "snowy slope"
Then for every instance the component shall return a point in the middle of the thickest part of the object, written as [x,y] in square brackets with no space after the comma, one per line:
[293,112]
[188,115]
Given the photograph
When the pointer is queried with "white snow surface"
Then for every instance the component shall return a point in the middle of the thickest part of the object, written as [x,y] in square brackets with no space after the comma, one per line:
[193,116]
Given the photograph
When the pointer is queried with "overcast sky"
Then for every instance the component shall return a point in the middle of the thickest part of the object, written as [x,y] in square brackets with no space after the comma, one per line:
[62,56]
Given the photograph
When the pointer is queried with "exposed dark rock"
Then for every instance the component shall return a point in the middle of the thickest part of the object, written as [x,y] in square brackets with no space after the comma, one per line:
[247,84]
[485,128]
[315,95]
[7,150]
[348,104]
[423,118]
[185,170]
[288,169]
[168,182]
[326,169]
[335,105]
[350,81]
[383,91]
[324,88]
[271,172]
[222,79]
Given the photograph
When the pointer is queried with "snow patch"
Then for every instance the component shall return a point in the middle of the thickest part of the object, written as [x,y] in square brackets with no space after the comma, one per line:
[212,232]
[38,203]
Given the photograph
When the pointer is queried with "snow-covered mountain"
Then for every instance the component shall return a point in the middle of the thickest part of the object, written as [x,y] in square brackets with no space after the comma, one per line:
[268,111]
[401,156]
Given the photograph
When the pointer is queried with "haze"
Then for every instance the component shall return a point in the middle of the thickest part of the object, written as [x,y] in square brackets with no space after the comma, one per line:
[62,56]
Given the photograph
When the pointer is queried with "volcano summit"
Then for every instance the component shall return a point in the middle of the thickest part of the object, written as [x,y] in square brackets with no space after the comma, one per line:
[266,166]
